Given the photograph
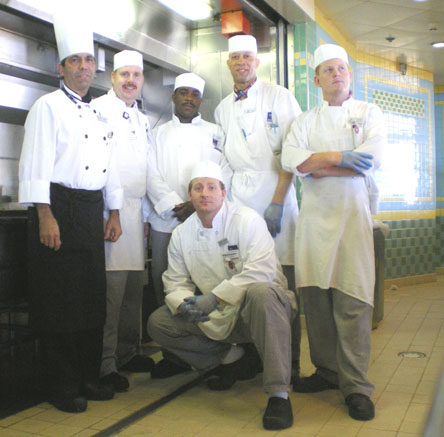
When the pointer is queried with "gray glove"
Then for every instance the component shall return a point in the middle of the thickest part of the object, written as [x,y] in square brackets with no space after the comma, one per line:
[192,314]
[356,161]
[204,303]
[273,218]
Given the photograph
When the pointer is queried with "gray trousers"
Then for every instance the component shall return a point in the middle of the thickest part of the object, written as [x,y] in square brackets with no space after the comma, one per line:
[121,333]
[339,328]
[265,319]
[296,323]
[159,246]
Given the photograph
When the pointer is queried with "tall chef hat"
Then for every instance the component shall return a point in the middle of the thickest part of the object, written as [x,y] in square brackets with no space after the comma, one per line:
[326,52]
[73,34]
[127,58]
[242,43]
[190,80]
[207,169]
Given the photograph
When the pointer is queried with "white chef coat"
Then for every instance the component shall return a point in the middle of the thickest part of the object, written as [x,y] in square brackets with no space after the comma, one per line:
[131,137]
[177,148]
[334,235]
[68,143]
[255,128]
[227,259]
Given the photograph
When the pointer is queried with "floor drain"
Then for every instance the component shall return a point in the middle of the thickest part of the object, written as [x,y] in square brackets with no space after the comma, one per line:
[412,354]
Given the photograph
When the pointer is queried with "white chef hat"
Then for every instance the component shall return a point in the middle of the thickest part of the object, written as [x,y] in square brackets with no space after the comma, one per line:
[73,34]
[242,43]
[206,169]
[190,80]
[325,52]
[127,58]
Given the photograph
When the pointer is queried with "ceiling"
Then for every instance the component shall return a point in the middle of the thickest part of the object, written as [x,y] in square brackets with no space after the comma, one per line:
[414,25]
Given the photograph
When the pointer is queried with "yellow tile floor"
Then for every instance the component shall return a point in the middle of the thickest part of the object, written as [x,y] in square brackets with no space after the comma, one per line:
[405,388]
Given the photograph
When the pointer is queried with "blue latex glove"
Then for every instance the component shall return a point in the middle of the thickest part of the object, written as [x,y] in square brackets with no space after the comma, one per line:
[273,218]
[192,314]
[204,303]
[356,161]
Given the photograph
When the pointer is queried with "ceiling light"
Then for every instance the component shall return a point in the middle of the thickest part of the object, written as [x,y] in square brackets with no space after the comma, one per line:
[438,44]
[190,9]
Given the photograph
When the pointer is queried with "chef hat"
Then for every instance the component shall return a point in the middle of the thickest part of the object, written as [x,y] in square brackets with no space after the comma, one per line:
[242,43]
[206,169]
[326,52]
[190,80]
[127,58]
[73,34]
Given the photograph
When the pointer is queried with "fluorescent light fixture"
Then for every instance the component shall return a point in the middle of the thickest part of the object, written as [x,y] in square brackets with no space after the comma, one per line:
[190,9]
[438,44]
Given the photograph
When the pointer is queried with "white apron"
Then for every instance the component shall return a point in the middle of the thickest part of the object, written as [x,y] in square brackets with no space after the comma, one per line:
[131,136]
[256,168]
[334,236]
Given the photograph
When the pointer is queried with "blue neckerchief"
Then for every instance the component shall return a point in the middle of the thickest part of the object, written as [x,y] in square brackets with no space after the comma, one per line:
[243,93]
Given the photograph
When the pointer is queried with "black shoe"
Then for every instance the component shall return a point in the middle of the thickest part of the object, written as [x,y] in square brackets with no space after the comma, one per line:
[228,374]
[360,406]
[166,368]
[278,415]
[254,365]
[118,382]
[70,405]
[313,384]
[98,392]
[138,364]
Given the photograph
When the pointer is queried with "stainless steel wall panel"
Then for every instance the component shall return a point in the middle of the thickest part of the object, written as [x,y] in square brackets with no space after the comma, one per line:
[18,50]
[9,177]
[19,93]
[11,141]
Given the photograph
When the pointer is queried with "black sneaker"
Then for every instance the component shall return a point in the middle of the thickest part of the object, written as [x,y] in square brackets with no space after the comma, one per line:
[228,374]
[278,415]
[97,392]
[76,404]
[138,364]
[118,382]
[313,384]
[360,406]
[166,368]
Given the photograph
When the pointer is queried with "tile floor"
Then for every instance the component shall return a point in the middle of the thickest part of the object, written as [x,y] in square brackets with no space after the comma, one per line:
[414,321]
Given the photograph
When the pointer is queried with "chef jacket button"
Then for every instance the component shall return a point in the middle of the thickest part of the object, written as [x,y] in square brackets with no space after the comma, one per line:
[104,170]
[104,138]
[201,234]
[86,135]
[87,167]
[95,112]
[78,106]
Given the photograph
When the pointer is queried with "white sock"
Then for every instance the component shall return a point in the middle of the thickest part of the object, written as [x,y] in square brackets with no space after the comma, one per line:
[279,394]
[234,354]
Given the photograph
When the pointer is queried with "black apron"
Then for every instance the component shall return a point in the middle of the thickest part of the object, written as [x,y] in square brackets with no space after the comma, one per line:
[67,290]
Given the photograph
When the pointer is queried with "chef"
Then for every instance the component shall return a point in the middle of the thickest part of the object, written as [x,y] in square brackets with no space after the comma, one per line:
[125,259]
[255,117]
[335,148]
[178,145]
[66,163]
[225,251]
